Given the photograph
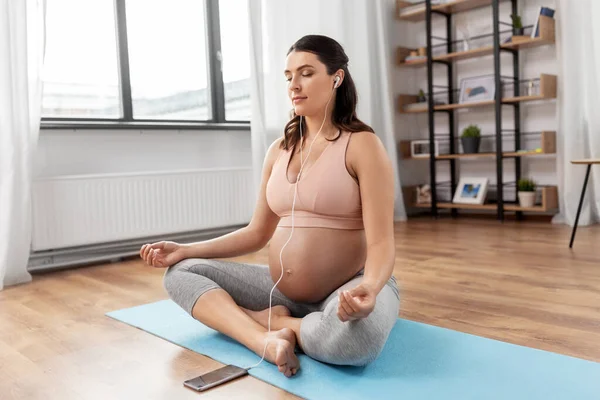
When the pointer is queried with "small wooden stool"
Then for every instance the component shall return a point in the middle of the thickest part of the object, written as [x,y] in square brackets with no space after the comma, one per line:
[589,164]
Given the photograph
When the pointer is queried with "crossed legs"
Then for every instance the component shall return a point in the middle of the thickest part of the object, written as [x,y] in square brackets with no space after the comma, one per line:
[233,299]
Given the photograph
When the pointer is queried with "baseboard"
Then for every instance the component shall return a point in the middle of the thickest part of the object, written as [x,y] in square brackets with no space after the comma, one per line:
[53,260]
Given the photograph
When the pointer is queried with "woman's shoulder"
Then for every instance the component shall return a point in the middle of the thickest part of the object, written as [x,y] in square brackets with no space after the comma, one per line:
[274,152]
[277,143]
[364,138]
[364,146]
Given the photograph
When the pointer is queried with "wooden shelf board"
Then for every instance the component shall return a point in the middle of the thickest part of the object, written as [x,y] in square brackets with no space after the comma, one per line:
[415,63]
[413,16]
[458,205]
[474,155]
[525,154]
[451,7]
[586,162]
[464,55]
[482,155]
[527,44]
[480,52]
[506,100]
[461,5]
[464,105]
[491,207]
[516,207]
[415,111]
[524,98]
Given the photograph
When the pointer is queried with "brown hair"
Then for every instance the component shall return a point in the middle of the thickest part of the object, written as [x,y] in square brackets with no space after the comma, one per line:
[330,53]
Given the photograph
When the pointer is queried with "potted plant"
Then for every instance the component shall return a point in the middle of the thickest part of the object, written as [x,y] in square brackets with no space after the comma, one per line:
[471,138]
[517,25]
[421,97]
[526,192]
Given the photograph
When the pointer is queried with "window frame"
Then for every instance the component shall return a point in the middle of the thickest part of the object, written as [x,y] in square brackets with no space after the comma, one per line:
[215,85]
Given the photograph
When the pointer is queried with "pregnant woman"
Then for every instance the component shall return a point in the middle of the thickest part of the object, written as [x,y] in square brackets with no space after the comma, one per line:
[325,210]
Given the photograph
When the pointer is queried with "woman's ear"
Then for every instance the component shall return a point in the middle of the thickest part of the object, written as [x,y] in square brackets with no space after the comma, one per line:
[338,78]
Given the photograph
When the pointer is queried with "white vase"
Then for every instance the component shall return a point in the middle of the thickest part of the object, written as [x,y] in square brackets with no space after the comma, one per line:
[527,199]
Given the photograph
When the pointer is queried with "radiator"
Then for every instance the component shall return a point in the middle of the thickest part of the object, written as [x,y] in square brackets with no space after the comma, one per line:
[93,209]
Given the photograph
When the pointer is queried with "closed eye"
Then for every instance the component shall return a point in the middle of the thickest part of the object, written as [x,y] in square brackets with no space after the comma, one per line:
[305,75]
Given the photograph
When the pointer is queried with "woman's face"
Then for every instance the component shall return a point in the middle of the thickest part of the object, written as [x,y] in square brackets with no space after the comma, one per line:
[309,85]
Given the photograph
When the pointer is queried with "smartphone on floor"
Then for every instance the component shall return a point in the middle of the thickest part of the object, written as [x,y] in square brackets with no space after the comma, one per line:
[215,378]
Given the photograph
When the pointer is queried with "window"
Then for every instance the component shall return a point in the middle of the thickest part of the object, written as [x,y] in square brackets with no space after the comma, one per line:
[81,77]
[146,62]
[235,49]
[167,59]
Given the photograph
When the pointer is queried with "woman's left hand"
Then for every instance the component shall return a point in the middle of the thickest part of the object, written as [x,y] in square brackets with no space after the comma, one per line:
[356,303]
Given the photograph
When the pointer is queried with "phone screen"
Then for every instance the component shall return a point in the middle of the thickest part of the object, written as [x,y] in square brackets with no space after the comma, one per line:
[217,376]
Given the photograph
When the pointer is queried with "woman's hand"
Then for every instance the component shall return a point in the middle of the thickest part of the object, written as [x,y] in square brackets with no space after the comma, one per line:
[162,254]
[356,303]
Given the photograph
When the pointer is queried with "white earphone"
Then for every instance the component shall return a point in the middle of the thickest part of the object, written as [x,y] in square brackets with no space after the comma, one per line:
[302,162]
[337,81]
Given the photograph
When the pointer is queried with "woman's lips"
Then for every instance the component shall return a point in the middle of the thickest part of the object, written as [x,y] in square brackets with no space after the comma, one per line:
[297,100]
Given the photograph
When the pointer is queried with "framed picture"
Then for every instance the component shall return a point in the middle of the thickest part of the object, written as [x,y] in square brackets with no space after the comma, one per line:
[477,88]
[471,191]
[420,148]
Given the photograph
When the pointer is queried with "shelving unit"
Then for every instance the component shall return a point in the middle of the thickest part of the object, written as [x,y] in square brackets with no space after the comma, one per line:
[445,102]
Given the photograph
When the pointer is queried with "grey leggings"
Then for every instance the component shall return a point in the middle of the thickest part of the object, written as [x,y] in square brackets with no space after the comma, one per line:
[324,337]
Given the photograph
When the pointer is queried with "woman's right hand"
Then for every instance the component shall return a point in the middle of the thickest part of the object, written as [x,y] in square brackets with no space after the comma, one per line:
[162,254]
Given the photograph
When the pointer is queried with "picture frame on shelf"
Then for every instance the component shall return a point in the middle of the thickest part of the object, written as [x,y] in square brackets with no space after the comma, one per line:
[477,88]
[421,148]
[471,190]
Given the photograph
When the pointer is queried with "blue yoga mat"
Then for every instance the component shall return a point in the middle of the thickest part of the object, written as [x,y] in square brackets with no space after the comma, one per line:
[419,362]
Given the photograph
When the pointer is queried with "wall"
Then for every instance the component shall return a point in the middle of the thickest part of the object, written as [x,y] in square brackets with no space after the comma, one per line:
[95,151]
[535,116]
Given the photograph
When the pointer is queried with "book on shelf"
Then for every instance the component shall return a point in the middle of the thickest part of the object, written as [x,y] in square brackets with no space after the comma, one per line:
[546,11]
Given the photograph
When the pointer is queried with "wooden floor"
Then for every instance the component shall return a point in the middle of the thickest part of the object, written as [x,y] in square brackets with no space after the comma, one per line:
[515,282]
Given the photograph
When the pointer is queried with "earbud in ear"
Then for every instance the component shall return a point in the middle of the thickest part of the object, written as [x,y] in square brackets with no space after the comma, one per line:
[337,81]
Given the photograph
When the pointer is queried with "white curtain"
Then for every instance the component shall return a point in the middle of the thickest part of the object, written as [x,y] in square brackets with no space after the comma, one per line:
[21,60]
[361,27]
[578,50]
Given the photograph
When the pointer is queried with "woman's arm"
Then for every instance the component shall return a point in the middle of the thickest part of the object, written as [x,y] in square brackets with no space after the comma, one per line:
[373,169]
[371,165]
[250,238]
[234,244]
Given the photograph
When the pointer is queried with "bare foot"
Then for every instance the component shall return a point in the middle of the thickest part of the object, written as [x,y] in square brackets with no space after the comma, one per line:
[262,317]
[280,351]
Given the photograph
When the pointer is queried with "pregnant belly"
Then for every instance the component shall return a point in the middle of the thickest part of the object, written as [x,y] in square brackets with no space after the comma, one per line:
[316,261]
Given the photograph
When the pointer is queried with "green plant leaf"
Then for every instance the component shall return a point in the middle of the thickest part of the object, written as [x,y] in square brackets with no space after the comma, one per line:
[471,131]
[526,185]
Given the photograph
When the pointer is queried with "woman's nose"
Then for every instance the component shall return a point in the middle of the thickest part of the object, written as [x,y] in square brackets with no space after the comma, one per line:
[294,85]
